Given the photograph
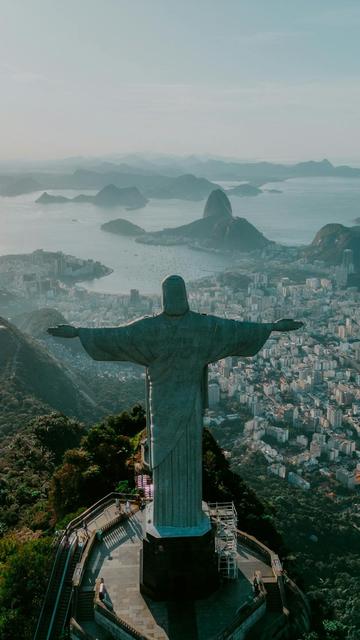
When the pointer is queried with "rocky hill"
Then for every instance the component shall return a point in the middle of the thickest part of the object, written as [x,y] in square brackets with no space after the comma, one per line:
[186,187]
[122,227]
[237,234]
[32,381]
[16,185]
[218,229]
[331,241]
[35,323]
[109,196]
[218,204]
[243,190]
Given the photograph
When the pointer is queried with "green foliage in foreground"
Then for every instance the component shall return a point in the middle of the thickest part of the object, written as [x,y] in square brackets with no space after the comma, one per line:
[44,484]
[27,463]
[24,568]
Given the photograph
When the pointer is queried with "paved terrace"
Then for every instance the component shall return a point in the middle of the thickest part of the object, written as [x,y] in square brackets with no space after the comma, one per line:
[116,560]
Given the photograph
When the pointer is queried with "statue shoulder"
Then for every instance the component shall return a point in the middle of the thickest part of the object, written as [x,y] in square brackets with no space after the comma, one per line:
[143,320]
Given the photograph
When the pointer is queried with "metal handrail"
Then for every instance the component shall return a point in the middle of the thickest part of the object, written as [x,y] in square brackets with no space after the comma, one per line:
[100,503]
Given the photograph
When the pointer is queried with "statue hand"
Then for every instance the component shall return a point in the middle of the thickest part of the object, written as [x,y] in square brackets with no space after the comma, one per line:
[63,331]
[286,324]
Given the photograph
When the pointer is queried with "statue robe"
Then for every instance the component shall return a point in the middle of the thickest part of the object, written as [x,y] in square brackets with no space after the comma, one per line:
[176,352]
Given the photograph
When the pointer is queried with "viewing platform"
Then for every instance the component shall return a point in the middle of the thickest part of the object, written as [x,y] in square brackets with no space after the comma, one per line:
[105,544]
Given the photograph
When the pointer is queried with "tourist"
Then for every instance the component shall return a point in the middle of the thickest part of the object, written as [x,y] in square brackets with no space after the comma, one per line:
[102,590]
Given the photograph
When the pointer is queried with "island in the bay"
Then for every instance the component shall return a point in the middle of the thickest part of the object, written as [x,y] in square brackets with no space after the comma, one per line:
[123,227]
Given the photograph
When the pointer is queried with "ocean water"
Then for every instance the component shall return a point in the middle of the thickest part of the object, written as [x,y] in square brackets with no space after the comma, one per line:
[292,217]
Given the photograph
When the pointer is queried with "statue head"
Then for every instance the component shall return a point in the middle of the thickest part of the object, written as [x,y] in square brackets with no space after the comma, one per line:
[174,297]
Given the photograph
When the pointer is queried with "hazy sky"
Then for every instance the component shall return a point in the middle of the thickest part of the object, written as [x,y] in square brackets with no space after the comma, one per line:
[273,79]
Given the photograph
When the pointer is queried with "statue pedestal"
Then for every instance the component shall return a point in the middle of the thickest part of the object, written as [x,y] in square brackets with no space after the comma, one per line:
[178,568]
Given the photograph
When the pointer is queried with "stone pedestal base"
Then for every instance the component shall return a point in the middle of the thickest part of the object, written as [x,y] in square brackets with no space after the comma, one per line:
[178,568]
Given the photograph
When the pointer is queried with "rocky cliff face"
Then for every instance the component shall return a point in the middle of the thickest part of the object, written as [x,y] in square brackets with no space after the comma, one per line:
[237,234]
[218,204]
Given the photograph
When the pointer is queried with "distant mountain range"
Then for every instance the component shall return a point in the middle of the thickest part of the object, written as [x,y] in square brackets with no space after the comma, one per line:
[183,187]
[184,178]
[109,196]
[217,229]
[260,172]
[33,381]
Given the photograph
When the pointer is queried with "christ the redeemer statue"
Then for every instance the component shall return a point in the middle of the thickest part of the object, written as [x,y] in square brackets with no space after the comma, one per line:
[176,348]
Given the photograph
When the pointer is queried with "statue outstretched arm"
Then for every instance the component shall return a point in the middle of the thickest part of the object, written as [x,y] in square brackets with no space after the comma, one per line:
[286,324]
[132,342]
[127,343]
[237,338]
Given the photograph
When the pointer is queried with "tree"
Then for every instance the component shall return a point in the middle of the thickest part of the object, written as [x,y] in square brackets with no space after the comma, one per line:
[57,433]
[24,571]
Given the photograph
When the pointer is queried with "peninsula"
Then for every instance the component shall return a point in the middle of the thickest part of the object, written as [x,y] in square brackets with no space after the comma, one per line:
[109,196]
[216,230]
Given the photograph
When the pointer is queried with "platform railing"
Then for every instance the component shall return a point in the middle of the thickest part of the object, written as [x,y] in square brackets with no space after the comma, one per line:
[272,558]
[243,614]
[98,506]
[114,618]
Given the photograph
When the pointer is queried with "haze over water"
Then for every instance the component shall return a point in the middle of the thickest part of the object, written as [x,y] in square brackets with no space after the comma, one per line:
[292,217]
